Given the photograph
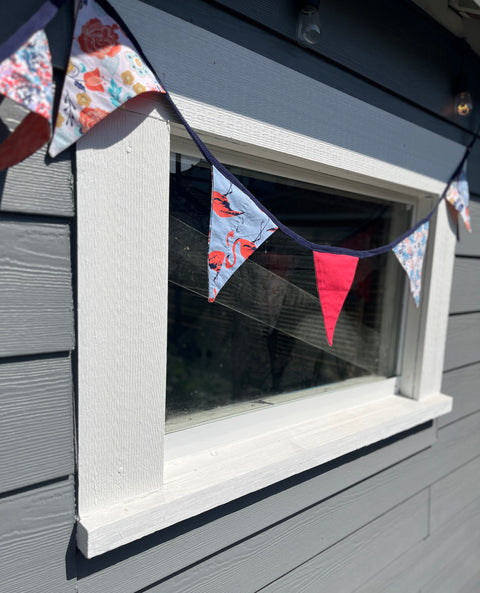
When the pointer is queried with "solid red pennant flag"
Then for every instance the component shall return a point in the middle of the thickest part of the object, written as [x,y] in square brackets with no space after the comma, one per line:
[334,278]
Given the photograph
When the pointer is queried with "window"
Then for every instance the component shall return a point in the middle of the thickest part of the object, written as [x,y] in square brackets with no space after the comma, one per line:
[263,341]
[134,478]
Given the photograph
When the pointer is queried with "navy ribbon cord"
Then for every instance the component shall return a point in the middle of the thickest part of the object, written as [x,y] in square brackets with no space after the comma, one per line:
[37,21]
[50,8]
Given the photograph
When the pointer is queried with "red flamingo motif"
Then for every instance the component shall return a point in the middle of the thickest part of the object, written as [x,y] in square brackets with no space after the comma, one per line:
[246,250]
[215,260]
[221,206]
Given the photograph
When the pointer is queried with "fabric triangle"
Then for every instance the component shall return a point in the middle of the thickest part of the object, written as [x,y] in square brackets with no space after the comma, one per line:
[26,78]
[334,275]
[237,228]
[458,195]
[104,72]
[410,253]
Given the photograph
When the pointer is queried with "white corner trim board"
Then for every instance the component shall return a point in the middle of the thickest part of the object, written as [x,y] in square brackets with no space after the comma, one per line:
[134,480]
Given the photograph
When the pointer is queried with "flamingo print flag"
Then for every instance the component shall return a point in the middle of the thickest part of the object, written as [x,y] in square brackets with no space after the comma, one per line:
[410,253]
[103,73]
[26,78]
[237,228]
[458,195]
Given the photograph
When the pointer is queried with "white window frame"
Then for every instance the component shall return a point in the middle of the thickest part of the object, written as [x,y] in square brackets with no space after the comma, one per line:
[132,479]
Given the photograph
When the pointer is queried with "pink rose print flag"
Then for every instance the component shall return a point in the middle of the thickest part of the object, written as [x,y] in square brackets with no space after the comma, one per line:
[104,72]
[26,78]
[334,274]
[237,228]
[410,253]
[458,195]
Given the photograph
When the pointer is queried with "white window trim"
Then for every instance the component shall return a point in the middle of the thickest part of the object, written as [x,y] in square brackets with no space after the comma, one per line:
[126,490]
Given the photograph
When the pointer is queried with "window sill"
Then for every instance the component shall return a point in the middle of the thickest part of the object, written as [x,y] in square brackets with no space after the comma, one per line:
[205,467]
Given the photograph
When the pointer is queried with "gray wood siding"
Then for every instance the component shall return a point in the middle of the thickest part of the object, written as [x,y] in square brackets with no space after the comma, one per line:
[37,499]
[36,308]
[39,184]
[36,441]
[36,539]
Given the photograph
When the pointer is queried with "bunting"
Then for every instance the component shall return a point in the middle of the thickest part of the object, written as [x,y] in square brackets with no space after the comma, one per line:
[106,69]
[104,72]
[237,228]
[26,78]
[410,253]
[334,274]
[458,195]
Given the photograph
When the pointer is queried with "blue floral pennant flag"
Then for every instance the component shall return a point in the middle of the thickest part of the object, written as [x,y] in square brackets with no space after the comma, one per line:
[410,253]
[104,72]
[458,195]
[237,228]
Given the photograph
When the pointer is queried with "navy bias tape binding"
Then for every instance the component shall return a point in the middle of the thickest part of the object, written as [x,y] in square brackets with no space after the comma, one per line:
[292,234]
[37,21]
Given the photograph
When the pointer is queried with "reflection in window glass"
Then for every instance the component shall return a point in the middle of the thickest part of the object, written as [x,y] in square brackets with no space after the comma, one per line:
[263,340]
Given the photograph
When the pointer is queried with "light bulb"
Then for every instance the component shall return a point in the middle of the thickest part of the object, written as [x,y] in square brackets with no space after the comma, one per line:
[463,104]
[308,26]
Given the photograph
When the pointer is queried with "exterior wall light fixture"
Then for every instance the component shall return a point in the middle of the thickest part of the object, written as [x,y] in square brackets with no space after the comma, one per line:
[308,24]
[463,104]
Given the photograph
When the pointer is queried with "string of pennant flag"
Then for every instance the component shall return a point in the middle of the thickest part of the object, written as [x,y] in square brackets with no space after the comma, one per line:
[106,69]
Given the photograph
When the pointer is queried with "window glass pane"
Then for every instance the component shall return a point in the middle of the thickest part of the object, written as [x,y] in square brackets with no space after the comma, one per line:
[263,340]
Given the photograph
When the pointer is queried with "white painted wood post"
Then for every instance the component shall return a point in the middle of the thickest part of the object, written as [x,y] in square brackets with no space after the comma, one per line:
[122,306]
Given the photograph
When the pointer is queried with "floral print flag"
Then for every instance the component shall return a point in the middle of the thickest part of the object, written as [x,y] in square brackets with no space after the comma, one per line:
[103,73]
[237,228]
[458,195]
[26,78]
[410,253]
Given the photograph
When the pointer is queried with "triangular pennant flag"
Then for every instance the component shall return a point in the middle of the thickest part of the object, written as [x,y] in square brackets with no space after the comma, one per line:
[26,78]
[335,275]
[458,195]
[103,73]
[237,228]
[410,253]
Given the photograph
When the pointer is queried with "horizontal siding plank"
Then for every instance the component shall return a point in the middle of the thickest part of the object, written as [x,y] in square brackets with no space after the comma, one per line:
[351,562]
[454,492]
[126,570]
[463,341]
[215,19]
[469,243]
[473,585]
[455,571]
[466,285]
[416,568]
[35,539]
[357,36]
[273,552]
[155,557]
[398,152]
[36,424]
[39,184]
[464,385]
[36,310]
